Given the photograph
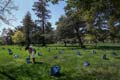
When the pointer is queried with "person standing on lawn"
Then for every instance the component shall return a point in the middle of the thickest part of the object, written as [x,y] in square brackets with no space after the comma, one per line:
[31,52]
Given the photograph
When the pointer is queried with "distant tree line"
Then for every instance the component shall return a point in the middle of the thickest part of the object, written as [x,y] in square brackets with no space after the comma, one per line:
[85,21]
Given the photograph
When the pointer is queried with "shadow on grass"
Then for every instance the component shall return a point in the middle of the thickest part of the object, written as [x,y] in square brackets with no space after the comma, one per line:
[117,57]
[31,71]
[39,63]
[41,72]
[8,76]
[59,75]
[98,47]
[109,47]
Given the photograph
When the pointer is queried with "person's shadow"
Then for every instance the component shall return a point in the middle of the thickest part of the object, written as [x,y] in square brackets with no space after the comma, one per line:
[38,62]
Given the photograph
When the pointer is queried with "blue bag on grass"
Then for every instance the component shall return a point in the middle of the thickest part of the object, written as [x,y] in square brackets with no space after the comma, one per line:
[94,52]
[39,54]
[10,51]
[78,53]
[27,60]
[55,70]
[49,50]
[104,57]
[86,63]
[16,56]
[114,54]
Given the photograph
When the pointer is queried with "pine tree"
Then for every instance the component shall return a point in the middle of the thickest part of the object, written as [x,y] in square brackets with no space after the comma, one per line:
[41,11]
[28,25]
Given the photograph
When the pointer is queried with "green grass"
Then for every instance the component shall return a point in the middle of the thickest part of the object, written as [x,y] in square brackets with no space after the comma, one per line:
[72,67]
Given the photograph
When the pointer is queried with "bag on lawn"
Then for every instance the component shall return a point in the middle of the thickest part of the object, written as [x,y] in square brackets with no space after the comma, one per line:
[55,70]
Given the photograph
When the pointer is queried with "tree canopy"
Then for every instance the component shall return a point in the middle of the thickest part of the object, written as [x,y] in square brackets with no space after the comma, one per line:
[6,8]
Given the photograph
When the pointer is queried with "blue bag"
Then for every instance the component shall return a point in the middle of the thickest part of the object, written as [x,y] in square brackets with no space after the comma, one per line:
[28,60]
[86,63]
[49,50]
[114,54]
[55,70]
[94,52]
[16,56]
[39,54]
[10,51]
[78,53]
[104,57]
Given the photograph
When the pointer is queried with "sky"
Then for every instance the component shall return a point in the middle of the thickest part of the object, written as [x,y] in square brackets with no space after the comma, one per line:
[26,5]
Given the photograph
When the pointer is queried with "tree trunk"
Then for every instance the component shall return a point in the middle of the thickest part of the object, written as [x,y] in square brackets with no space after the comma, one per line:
[28,37]
[43,25]
[43,41]
[79,37]
[65,43]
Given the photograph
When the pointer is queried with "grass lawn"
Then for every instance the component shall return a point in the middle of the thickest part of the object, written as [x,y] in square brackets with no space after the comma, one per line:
[72,65]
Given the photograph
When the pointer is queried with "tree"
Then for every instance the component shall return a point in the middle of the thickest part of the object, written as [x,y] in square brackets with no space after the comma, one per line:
[6,36]
[100,10]
[1,41]
[41,11]
[100,16]
[6,8]
[28,25]
[76,20]
[90,38]
[48,28]
[18,37]
[64,30]
[36,36]
[20,28]
[49,33]
[54,1]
